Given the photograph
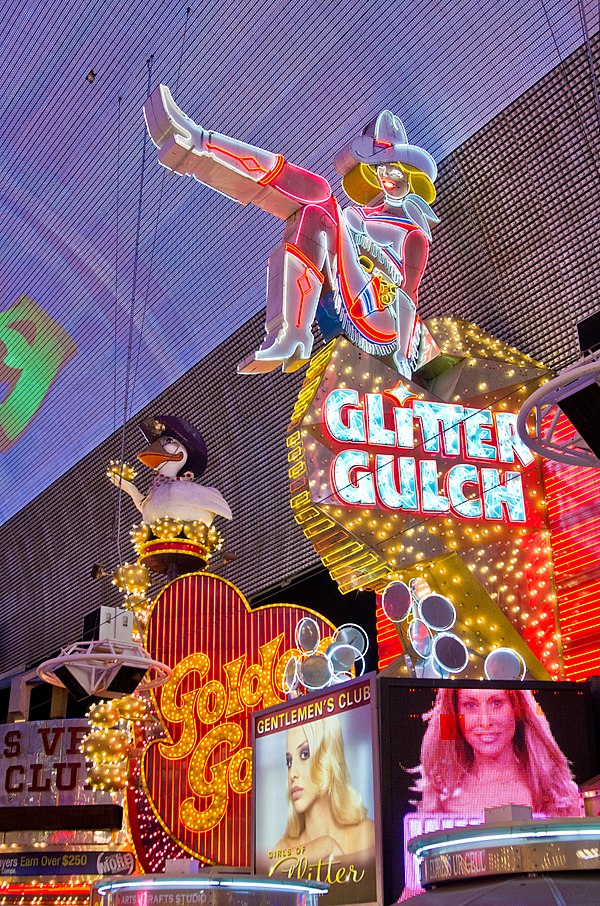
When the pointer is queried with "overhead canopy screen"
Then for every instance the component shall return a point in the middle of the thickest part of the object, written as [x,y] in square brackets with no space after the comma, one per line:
[114,278]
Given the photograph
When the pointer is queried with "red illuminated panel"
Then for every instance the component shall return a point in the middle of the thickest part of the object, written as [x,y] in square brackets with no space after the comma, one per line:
[77,893]
[573,502]
[388,643]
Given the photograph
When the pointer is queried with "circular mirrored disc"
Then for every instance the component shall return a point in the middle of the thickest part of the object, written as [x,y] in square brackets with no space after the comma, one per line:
[359,665]
[396,601]
[340,678]
[354,635]
[450,652]
[315,671]
[342,657]
[504,664]
[290,676]
[438,612]
[419,637]
[308,635]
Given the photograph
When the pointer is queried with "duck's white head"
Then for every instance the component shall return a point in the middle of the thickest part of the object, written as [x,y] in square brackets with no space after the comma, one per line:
[172,444]
[166,456]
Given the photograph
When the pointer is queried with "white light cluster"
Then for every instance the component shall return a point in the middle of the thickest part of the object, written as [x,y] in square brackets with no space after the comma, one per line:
[429,619]
[318,664]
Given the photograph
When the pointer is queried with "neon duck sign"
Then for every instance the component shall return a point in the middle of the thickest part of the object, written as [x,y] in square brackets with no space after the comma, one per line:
[376,467]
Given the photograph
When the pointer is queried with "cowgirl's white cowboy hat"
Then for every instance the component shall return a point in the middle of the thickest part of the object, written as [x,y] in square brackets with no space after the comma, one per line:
[383,141]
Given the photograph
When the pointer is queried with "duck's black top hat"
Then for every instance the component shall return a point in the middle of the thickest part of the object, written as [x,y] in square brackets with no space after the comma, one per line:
[171,426]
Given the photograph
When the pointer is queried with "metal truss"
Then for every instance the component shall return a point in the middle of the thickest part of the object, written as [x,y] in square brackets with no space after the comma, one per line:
[544,406]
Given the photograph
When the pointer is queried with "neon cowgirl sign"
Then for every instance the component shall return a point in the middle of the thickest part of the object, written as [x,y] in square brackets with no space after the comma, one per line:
[360,267]
[396,480]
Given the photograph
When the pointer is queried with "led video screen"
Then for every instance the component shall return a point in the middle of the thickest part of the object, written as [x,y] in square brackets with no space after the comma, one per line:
[315,792]
[450,750]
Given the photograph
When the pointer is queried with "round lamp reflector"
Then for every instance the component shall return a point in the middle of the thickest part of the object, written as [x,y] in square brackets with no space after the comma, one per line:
[419,637]
[438,612]
[396,601]
[354,635]
[450,652]
[504,664]
[315,671]
[308,635]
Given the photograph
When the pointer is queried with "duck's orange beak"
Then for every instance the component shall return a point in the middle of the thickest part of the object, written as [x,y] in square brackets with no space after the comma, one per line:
[154,455]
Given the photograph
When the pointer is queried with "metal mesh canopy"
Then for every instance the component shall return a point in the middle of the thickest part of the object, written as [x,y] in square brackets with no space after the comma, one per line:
[515,252]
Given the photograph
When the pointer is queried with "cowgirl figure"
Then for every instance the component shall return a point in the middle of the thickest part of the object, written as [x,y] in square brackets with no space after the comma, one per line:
[370,257]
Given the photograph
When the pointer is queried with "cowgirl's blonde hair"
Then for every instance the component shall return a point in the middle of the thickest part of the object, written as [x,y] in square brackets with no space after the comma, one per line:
[362,186]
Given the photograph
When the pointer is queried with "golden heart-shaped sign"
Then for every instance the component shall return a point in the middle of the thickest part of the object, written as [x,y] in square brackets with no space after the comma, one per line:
[228,661]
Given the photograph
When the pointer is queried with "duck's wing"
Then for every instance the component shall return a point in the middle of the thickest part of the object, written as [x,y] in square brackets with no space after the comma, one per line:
[214,501]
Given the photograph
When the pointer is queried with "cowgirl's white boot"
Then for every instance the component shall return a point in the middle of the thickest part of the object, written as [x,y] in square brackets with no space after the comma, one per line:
[294,288]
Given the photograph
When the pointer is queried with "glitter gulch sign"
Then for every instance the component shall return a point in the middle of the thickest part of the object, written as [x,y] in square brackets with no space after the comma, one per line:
[394,421]
[392,478]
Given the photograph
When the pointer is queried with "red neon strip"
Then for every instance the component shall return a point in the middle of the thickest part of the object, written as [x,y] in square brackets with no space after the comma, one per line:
[242,160]
[584,524]
[581,674]
[42,890]
[274,172]
[574,605]
[573,537]
[572,496]
[574,637]
[574,563]
[293,250]
[575,540]
[302,282]
[583,654]
[591,590]
[576,592]
[387,639]
[561,511]
[573,620]
[583,664]
[582,669]
[582,628]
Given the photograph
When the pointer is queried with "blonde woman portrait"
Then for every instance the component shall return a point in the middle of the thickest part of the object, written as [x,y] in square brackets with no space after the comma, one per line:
[492,747]
[326,815]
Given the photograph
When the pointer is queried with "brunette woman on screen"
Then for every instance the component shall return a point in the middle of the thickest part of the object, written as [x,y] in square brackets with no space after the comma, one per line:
[491,747]
[325,814]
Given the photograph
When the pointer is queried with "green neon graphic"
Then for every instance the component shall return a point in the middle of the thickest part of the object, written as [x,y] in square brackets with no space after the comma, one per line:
[35,349]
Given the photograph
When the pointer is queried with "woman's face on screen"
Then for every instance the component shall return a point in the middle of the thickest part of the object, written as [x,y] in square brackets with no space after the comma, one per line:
[487,720]
[301,787]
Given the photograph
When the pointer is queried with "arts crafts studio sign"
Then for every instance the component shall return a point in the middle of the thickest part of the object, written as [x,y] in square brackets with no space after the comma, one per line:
[401,453]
